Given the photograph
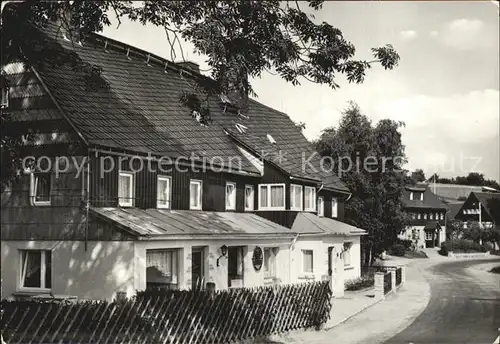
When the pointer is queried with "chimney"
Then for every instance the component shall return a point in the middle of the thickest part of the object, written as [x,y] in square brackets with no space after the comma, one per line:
[192,66]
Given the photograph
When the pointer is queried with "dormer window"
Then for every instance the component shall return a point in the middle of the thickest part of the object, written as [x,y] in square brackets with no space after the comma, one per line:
[249,197]
[310,198]
[195,194]
[335,207]
[163,192]
[296,197]
[321,206]
[40,188]
[126,189]
[272,197]
[230,196]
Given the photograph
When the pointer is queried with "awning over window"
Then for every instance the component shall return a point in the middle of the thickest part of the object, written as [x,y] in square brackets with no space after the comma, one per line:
[161,222]
[308,223]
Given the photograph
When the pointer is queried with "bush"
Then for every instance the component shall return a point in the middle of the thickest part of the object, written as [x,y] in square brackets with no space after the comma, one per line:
[444,250]
[462,245]
[360,283]
[496,270]
[406,243]
[397,250]
[416,254]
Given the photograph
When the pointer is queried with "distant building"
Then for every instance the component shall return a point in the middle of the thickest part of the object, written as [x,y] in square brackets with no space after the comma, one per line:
[455,195]
[480,207]
[427,216]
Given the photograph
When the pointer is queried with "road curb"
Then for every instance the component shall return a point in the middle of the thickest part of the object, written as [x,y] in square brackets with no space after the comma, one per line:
[352,315]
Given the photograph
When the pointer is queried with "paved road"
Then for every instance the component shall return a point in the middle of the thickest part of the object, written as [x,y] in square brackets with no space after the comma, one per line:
[464,306]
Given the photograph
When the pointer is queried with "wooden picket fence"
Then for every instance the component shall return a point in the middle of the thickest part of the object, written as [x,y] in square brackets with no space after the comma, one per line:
[170,317]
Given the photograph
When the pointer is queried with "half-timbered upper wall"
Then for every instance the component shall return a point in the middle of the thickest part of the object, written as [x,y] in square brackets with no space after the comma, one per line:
[30,109]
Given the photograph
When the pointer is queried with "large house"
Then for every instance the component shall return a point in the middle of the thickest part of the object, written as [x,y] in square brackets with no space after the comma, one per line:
[455,195]
[482,207]
[130,191]
[427,227]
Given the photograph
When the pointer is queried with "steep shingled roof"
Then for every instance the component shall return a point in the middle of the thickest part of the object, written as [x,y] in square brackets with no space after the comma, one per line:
[141,110]
[431,201]
[488,200]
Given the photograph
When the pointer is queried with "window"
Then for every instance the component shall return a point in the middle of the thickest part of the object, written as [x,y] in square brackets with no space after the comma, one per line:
[161,269]
[296,197]
[419,216]
[310,198]
[40,188]
[421,196]
[428,235]
[442,216]
[230,196]
[36,269]
[431,216]
[436,216]
[126,189]
[195,194]
[163,192]
[411,196]
[270,254]
[335,207]
[414,216]
[249,197]
[5,98]
[321,206]
[425,216]
[234,265]
[272,197]
[346,255]
[307,261]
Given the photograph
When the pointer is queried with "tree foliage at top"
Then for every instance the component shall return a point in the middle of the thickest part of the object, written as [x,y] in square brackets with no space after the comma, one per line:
[240,39]
[376,183]
[418,176]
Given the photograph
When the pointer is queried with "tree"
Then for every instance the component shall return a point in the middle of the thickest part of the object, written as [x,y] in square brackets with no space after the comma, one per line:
[377,185]
[418,176]
[241,40]
[300,126]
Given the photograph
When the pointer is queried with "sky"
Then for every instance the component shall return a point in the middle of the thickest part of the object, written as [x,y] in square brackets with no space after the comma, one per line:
[445,89]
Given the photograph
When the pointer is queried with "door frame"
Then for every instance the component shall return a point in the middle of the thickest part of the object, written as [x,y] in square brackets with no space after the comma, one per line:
[203,251]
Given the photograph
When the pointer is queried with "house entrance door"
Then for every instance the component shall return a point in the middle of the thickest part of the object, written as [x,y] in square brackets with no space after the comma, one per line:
[198,268]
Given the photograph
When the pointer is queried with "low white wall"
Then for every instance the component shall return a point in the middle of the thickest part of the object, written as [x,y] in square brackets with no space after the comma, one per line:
[319,246]
[105,268]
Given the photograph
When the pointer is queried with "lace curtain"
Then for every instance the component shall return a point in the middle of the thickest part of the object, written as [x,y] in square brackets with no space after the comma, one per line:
[163,261]
[277,196]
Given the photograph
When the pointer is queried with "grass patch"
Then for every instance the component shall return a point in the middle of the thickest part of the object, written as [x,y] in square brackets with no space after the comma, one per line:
[496,270]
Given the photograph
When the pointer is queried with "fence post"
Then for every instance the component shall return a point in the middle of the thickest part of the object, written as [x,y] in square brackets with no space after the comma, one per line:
[393,280]
[403,274]
[379,285]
